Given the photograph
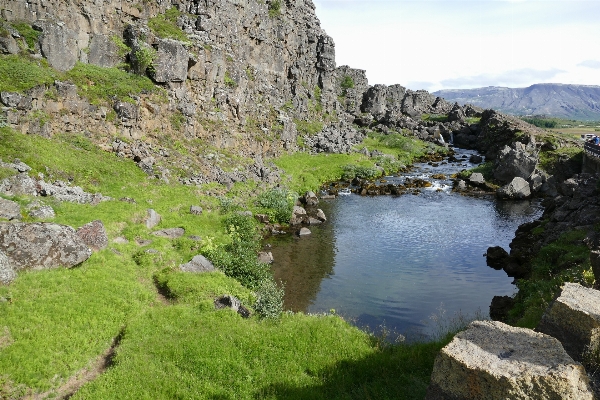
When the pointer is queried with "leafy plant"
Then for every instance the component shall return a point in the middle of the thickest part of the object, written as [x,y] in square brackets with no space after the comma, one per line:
[228,80]
[144,56]
[352,171]
[30,35]
[177,120]
[309,128]
[275,8]
[269,302]
[347,83]
[278,203]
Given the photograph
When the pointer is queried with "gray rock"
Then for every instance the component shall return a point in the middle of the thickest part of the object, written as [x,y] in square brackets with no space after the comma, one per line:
[10,99]
[500,306]
[152,219]
[195,210]
[574,319]
[265,257]
[475,159]
[304,232]
[42,245]
[536,182]
[227,301]
[8,45]
[171,62]
[492,360]
[7,273]
[515,161]
[67,90]
[94,235]
[103,51]
[476,179]
[461,186]
[518,188]
[496,257]
[171,233]
[321,215]
[43,212]
[298,215]
[198,264]
[310,199]
[314,221]
[126,111]
[9,209]
[58,44]
[120,240]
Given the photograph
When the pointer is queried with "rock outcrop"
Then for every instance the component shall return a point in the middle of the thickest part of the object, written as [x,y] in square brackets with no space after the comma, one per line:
[198,264]
[517,189]
[574,319]
[492,360]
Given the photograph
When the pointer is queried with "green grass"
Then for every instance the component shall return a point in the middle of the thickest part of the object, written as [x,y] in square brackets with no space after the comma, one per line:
[549,159]
[405,149]
[565,260]
[30,35]
[434,117]
[165,25]
[486,169]
[309,128]
[58,322]
[20,73]
[100,84]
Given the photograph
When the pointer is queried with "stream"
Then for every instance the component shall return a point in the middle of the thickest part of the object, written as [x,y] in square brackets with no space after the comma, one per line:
[406,264]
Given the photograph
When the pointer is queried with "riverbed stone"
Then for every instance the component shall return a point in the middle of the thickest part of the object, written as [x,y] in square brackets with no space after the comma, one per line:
[304,232]
[574,319]
[198,264]
[265,257]
[298,215]
[492,360]
[476,179]
[310,198]
[496,257]
[517,189]
[321,215]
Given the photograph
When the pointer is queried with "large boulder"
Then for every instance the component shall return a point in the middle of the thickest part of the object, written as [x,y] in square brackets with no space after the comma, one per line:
[574,319]
[103,51]
[515,161]
[517,189]
[496,257]
[298,215]
[171,62]
[491,360]
[58,44]
[42,245]
[9,209]
[152,219]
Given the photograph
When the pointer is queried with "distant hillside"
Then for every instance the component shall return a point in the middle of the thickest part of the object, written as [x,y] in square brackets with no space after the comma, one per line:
[552,99]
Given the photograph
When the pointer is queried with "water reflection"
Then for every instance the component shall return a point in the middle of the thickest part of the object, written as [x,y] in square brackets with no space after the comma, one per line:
[396,260]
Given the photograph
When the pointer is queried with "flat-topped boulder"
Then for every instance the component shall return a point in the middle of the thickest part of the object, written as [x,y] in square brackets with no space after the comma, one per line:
[492,360]
[574,319]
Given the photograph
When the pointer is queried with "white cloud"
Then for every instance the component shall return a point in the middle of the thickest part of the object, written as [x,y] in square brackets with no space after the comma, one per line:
[590,64]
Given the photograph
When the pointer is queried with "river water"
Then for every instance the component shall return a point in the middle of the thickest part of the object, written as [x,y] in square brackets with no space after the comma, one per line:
[403,262]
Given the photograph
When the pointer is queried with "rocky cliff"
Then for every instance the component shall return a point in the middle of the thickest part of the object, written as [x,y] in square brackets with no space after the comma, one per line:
[580,102]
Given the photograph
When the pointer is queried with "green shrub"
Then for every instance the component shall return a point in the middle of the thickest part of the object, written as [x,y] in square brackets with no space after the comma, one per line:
[277,203]
[357,171]
[228,80]
[177,120]
[144,56]
[165,25]
[269,302]
[347,83]
[274,8]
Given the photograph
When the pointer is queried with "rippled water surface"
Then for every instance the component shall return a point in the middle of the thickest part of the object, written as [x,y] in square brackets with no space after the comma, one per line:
[398,261]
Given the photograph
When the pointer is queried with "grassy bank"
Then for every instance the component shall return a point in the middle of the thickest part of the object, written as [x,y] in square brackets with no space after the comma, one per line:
[56,326]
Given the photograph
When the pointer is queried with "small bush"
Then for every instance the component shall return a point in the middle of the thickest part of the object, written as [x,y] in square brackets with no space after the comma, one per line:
[228,80]
[165,25]
[274,8]
[269,302]
[177,120]
[278,203]
[144,56]
[309,128]
[356,171]
[347,83]
[30,35]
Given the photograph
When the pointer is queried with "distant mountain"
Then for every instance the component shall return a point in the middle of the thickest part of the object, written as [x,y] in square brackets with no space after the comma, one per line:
[581,102]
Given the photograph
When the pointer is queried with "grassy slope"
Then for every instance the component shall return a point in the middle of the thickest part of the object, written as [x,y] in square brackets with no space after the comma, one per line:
[58,322]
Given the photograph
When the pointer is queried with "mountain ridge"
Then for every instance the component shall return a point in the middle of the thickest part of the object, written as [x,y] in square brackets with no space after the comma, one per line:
[552,99]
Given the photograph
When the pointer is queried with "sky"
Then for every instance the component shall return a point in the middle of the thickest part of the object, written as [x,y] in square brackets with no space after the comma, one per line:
[461,44]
